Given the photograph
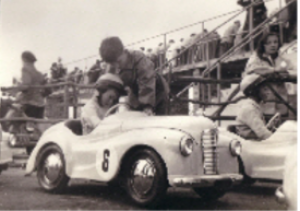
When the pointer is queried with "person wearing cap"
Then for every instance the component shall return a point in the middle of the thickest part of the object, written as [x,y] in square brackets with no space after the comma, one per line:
[137,72]
[250,119]
[31,99]
[267,61]
[109,88]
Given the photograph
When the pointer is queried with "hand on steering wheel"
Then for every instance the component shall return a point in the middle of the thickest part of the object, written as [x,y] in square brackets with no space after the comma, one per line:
[115,107]
[274,122]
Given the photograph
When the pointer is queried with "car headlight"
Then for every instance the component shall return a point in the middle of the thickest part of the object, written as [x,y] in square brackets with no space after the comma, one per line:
[235,147]
[186,145]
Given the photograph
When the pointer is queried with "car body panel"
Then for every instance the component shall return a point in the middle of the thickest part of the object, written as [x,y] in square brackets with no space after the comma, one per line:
[118,134]
[5,150]
[265,159]
[290,179]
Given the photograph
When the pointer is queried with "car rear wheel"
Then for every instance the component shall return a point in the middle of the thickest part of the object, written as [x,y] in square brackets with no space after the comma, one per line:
[210,194]
[51,173]
[145,177]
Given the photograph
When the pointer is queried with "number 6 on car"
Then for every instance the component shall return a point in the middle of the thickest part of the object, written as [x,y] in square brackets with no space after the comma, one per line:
[106,162]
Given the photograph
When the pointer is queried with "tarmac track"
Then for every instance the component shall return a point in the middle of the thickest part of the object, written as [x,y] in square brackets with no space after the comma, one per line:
[23,193]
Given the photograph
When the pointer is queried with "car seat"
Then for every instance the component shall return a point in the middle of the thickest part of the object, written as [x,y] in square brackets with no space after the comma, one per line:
[75,126]
[232,128]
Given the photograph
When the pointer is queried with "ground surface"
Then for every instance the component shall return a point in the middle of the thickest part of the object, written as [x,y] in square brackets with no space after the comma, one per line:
[23,193]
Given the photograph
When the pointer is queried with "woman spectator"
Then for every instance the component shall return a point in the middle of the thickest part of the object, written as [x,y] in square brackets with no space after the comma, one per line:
[31,99]
[266,61]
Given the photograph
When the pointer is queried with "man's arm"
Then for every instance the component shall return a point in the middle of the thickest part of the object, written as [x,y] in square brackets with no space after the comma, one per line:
[146,79]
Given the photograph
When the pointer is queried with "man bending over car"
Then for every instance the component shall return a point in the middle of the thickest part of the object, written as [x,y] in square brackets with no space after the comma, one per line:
[149,88]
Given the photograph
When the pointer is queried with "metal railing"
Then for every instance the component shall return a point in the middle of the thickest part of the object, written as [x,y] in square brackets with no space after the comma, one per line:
[202,80]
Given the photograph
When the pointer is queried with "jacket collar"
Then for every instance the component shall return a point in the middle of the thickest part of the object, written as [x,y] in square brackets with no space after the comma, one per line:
[269,58]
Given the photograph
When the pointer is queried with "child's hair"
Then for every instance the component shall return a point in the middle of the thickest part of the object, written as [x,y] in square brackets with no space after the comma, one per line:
[261,45]
[111,49]
[102,89]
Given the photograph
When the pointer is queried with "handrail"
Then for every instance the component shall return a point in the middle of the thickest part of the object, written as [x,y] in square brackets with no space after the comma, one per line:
[206,35]
[162,34]
[29,119]
[20,87]
[209,103]
[199,79]
[291,79]
[169,32]
[245,40]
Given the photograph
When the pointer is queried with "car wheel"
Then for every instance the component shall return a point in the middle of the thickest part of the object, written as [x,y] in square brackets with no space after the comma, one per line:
[209,194]
[51,170]
[145,177]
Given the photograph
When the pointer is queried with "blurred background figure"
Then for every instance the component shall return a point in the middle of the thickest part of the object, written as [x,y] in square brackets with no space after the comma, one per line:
[191,51]
[31,99]
[259,15]
[172,52]
[229,36]
[201,46]
[142,49]
[96,71]
[213,45]
[152,56]
[160,52]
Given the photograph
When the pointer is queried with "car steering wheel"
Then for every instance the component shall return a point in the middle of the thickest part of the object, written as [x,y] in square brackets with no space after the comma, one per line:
[274,121]
[113,108]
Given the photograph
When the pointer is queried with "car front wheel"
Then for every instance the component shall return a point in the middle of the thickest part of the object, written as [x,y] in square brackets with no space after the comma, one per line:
[51,170]
[145,177]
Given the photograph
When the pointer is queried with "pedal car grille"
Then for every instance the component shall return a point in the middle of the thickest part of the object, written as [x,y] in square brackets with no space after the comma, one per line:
[209,151]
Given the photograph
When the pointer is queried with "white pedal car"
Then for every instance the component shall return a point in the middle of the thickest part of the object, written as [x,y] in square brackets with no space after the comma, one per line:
[264,160]
[147,154]
[5,151]
[287,193]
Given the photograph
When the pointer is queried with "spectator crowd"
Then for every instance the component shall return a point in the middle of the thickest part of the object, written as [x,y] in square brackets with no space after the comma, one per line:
[197,47]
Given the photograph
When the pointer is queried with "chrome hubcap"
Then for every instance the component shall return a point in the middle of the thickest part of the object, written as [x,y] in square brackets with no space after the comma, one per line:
[142,176]
[52,167]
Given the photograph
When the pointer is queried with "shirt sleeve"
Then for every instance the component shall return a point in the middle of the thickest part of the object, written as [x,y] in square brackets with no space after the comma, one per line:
[251,118]
[26,79]
[146,81]
[255,65]
[90,116]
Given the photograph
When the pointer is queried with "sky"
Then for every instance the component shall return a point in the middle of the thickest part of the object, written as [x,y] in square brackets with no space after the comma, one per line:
[73,29]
